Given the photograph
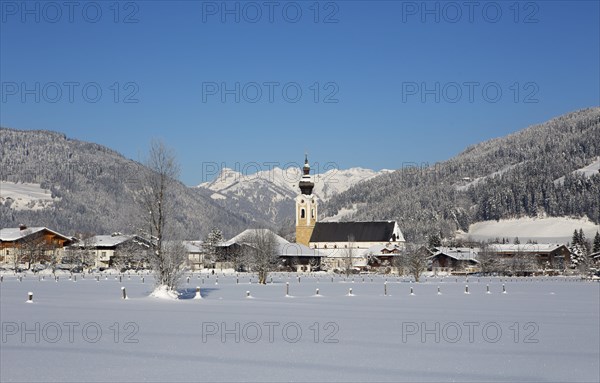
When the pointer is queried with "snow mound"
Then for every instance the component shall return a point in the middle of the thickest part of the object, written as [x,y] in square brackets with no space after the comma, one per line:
[163,292]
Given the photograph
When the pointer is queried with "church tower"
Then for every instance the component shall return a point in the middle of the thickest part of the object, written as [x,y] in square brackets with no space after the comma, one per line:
[306,206]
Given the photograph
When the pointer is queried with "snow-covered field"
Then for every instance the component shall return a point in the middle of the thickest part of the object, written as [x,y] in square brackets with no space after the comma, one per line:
[547,229]
[25,196]
[540,330]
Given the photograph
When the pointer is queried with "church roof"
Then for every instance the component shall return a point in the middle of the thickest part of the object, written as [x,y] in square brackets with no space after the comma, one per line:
[374,231]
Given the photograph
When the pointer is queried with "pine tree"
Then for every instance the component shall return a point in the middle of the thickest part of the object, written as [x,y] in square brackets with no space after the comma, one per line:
[516,241]
[434,241]
[583,241]
[575,240]
[212,240]
[596,247]
[579,251]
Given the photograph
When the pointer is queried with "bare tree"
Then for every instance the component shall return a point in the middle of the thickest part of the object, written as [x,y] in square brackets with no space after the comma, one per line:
[130,253]
[175,256]
[156,202]
[522,262]
[17,257]
[81,253]
[348,256]
[415,262]
[50,255]
[261,252]
[33,248]
[488,260]
[400,264]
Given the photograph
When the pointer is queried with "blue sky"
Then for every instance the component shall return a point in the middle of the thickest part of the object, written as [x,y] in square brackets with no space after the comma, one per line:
[382,83]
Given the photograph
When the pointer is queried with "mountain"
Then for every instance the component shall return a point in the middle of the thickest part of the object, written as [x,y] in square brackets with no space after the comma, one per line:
[268,196]
[546,170]
[47,179]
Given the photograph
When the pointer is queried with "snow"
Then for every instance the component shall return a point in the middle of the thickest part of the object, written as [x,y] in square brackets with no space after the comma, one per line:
[543,229]
[110,240]
[163,292]
[25,196]
[591,169]
[217,196]
[478,180]
[342,214]
[14,233]
[285,182]
[588,171]
[368,337]
[285,248]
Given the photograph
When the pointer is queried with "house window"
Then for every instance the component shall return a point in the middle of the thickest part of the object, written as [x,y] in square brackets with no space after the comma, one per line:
[7,252]
[302,213]
[312,213]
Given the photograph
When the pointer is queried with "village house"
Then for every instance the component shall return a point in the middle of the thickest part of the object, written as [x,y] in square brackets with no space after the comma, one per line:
[195,255]
[383,258]
[115,250]
[30,245]
[547,256]
[455,260]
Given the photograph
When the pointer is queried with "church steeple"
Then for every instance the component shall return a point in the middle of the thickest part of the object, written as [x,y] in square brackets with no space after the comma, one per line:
[306,183]
[306,206]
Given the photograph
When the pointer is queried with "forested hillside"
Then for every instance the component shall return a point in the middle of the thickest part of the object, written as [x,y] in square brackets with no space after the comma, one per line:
[93,188]
[512,176]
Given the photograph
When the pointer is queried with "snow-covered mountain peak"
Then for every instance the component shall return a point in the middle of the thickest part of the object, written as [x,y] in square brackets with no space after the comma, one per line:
[285,181]
[270,193]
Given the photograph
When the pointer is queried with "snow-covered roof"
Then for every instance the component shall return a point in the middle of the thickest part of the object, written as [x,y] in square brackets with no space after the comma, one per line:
[15,233]
[109,240]
[536,248]
[285,248]
[193,246]
[459,253]
[298,250]
[249,232]
[379,249]
[190,246]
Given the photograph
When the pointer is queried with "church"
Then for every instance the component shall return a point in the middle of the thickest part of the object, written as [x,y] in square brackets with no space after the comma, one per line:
[338,241]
